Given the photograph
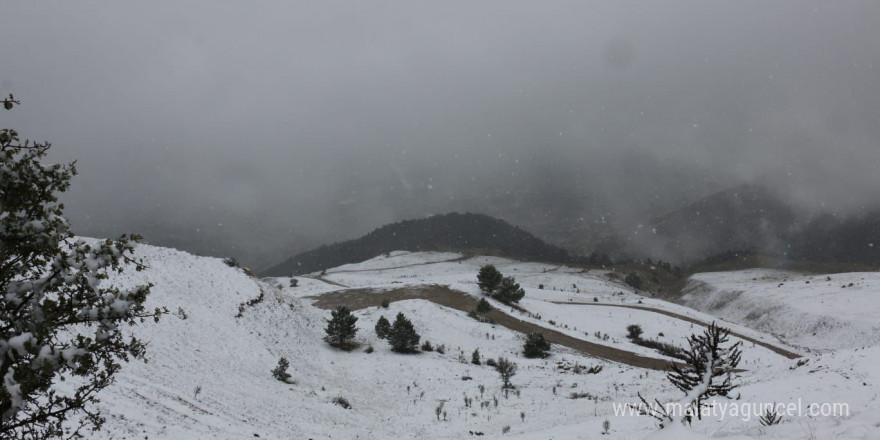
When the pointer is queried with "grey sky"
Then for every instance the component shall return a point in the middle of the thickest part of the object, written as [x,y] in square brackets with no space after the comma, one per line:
[272,126]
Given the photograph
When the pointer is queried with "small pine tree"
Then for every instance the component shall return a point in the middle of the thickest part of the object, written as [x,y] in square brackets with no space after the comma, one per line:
[475,357]
[506,369]
[383,328]
[770,416]
[709,367]
[403,337]
[536,346]
[427,346]
[634,332]
[280,371]
[341,327]
[483,306]
[489,279]
[509,291]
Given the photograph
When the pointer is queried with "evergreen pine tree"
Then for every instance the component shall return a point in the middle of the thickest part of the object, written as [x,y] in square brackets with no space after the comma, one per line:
[489,279]
[483,306]
[383,328]
[341,327]
[509,291]
[536,346]
[403,337]
[709,367]
[634,331]
[57,320]
[475,357]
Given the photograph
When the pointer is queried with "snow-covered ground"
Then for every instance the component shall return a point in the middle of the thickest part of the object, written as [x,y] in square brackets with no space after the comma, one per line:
[812,311]
[228,359]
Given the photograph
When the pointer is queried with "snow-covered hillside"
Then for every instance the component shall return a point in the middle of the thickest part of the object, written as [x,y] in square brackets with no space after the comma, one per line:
[208,374]
[812,311]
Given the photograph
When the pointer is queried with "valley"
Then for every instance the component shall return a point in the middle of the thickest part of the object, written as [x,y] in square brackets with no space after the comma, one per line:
[208,374]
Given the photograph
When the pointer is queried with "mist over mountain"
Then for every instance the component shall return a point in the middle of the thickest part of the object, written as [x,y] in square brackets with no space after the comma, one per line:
[315,123]
[751,218]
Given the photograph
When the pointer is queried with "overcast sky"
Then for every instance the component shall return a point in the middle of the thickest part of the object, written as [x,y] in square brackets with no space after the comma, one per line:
[280,125]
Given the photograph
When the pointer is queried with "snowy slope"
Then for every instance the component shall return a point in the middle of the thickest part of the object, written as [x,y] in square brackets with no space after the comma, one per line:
[395,396]
[813,311]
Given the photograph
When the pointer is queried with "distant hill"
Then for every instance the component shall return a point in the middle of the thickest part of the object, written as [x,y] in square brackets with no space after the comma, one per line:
[850,239]
[743,217]
[449,232]
[751,219]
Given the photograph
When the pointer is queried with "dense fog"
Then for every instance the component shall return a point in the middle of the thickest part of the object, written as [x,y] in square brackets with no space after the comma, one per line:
[258,129]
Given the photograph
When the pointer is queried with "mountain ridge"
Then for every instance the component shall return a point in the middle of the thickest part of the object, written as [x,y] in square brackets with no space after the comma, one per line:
[444,232]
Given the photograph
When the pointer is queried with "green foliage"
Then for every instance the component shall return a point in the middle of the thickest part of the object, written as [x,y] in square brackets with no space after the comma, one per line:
[280,371]
[633,280]
[536,346]
[489,279]
[506,369]
[341,327]
[483,306]
[383,328]
[634,331]
[475,357]
[403,337]
[57,319]
[509,291]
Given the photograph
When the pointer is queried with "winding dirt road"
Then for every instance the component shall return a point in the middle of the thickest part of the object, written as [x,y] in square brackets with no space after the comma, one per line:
[356,299]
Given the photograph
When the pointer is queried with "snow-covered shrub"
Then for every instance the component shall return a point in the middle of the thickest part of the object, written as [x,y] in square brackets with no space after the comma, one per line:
[342,401]
[708,371]
[770,417]
[280,371]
